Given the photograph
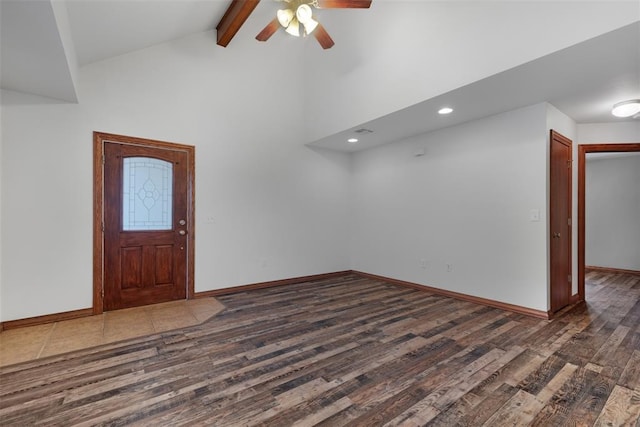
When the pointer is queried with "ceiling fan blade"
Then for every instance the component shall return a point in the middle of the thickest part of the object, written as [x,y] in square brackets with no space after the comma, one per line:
[323,37]
[268,31]
[344,4]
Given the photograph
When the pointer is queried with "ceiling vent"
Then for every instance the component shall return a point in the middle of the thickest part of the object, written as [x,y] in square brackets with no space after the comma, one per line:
[363,131]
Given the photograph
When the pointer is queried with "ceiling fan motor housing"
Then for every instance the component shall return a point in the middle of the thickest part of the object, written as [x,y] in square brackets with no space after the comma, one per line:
[299,12]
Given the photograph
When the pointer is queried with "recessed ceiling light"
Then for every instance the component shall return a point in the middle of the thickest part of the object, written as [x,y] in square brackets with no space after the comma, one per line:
[445,110]
[626,108]
[352,140]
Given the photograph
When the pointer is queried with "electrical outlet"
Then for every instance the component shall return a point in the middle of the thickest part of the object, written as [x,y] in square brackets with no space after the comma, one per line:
[449,268]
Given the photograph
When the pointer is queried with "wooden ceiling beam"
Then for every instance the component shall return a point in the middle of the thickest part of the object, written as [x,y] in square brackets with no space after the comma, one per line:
[344,4]
[236,14]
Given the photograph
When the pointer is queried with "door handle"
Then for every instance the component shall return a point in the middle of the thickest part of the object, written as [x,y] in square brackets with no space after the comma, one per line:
[556,235]
[182,232]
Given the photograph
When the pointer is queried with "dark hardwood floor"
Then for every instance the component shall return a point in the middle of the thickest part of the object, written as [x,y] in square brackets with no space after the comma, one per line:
[352,351]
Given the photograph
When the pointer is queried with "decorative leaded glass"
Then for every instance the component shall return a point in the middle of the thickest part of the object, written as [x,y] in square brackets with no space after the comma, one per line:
[147,189]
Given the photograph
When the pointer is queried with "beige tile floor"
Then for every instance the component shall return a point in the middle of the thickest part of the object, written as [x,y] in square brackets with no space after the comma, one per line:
[33,342]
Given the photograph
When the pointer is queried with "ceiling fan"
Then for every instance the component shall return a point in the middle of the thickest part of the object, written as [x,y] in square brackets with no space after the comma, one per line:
[297,18]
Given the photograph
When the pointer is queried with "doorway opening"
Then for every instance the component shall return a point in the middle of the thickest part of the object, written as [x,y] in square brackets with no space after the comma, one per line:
[582,152]
[143,230]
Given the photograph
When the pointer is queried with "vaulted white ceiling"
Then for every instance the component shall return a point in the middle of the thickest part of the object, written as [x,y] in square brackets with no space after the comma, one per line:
[103,29]
[46,43]
[583,81]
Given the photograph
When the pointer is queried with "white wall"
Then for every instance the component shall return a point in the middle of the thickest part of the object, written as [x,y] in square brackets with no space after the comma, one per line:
[267,207]
[1,183]
[429,54]
[620,132]
[612,211]
[1,204]
[466,202]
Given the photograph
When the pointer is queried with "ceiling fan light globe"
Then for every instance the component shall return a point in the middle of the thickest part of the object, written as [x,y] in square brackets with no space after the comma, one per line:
[304,13]
[285,16]
[294,28]
[310,25]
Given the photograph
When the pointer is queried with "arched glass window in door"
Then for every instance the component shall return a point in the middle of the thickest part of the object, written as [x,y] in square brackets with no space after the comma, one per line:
[147,188]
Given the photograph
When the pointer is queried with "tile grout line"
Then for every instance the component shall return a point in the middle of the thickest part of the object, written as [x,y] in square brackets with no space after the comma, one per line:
[104,326]
[190,311]
[46,340]
[153,323]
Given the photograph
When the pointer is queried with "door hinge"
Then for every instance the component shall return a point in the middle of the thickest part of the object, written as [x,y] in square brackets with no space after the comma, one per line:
[569,222]
[103,227]
[569,278]
[103,161]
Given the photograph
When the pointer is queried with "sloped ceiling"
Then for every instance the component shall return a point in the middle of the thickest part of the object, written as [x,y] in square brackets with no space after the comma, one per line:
[582,81]
[34,59]
[45,44]
[105,29]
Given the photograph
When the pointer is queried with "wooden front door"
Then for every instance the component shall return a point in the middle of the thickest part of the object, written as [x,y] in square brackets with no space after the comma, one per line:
[560,221]
[145,225]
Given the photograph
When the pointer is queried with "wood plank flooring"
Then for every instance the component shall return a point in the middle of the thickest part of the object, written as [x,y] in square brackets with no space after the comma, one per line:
[351,351]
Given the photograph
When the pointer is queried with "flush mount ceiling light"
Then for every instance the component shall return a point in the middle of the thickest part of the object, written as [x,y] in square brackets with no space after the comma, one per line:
[298,13]
[445,110]
[626,108]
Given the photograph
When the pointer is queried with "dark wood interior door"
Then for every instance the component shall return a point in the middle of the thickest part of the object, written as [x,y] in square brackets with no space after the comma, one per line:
[145,225]
[560,221]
